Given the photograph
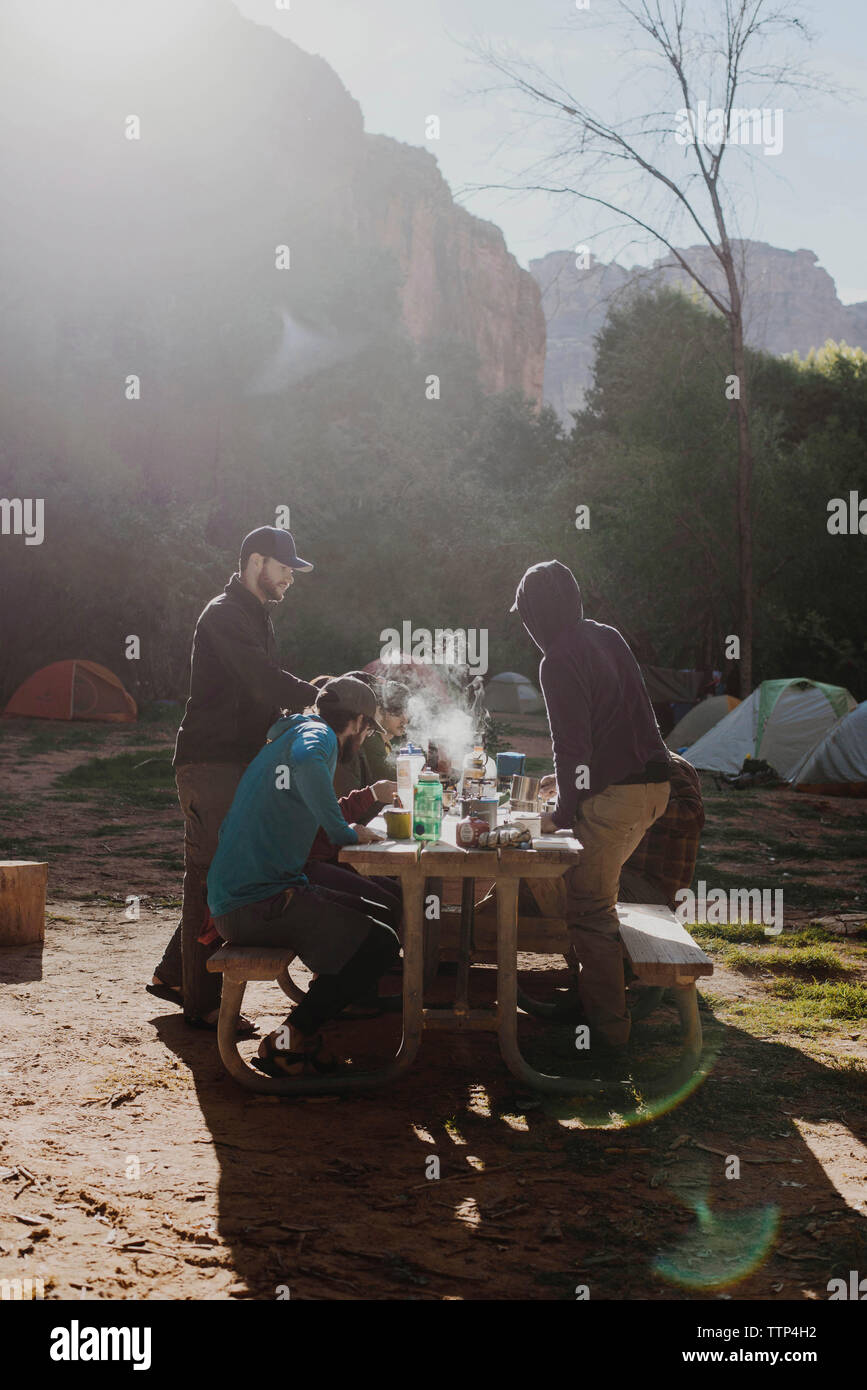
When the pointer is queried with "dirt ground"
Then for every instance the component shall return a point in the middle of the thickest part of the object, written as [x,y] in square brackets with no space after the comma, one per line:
[131,1166]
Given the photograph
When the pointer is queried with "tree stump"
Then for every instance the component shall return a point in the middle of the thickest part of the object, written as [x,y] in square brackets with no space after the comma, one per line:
[22,901]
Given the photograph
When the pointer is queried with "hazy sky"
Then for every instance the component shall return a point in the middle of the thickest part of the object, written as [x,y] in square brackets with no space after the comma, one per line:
[404,60]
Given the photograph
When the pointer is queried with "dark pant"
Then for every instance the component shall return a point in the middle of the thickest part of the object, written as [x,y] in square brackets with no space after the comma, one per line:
[205,791]
[348,940]
[358,979]
[377,889]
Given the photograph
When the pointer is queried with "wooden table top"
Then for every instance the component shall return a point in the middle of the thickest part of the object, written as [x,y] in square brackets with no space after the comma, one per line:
[548,854]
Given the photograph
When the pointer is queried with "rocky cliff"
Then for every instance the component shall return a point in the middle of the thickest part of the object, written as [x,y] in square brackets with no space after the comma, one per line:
[457,277]
[159,156]
[790,304]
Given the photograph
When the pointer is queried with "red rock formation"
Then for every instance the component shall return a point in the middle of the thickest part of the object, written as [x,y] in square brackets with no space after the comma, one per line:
[458,278]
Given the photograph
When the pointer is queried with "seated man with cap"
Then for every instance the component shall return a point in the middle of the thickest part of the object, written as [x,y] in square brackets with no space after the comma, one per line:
[259,894]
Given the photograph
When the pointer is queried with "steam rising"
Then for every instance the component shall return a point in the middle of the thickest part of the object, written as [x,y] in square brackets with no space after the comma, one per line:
[439,714]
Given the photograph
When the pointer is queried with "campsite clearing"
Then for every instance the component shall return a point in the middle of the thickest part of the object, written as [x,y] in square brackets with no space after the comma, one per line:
[132,1167]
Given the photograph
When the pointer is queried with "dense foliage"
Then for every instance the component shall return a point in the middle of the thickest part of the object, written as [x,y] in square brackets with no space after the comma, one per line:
[429,510]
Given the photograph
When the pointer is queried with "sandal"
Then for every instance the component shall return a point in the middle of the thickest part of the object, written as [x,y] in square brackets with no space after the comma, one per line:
[172,993]
[246,1028]
[310,1060]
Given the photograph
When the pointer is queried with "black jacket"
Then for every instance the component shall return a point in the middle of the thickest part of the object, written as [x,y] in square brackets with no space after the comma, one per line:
[237,688]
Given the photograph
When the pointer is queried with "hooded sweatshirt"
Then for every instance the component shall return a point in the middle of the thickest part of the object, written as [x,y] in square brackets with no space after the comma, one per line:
[598,708]
[284,796]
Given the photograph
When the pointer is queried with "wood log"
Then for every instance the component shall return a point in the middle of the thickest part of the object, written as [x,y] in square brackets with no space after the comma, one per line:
[22,901]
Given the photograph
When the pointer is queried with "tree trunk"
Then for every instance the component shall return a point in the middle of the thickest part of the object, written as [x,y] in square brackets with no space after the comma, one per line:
[22,901]
[744,509]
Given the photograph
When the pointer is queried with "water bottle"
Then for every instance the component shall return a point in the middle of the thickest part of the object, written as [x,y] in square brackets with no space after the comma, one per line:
[408,763]
[427,810]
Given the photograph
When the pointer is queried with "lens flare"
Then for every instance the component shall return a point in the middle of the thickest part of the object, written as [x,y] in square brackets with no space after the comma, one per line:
[722,1249]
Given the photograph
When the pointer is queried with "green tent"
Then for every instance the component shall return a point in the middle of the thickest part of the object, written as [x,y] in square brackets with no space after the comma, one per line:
[781,721]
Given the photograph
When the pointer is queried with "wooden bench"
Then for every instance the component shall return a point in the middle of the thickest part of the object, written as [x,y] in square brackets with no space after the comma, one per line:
[660,950]
[662,953]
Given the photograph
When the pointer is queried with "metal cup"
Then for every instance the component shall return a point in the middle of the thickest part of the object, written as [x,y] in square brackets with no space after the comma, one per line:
[524,795]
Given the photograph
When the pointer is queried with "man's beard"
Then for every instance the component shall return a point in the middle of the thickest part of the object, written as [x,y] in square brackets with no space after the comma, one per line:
[270,589]
[351,747]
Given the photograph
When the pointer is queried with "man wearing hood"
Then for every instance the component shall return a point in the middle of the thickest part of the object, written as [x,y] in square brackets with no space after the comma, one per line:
[611,770]
[260,895]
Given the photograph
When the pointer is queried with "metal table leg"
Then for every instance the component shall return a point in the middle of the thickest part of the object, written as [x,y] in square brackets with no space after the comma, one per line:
[433,886]
[507,1005]
[465,941]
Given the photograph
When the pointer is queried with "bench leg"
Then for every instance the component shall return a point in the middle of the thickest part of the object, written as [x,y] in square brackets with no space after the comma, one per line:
[686,1000]
[288,985]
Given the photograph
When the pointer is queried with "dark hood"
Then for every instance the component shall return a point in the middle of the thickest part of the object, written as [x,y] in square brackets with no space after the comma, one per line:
[548,599]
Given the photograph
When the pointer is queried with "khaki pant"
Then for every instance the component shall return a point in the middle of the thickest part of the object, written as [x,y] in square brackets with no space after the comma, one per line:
[205,791]
[610,826]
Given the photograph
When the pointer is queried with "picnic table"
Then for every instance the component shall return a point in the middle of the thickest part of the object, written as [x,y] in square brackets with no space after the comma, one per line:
[666,947]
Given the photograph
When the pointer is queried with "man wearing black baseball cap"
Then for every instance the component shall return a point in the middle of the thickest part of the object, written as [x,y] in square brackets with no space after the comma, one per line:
[237,690]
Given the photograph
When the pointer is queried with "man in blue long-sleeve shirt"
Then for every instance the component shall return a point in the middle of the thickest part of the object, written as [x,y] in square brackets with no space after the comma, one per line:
[259,894]
[611,769]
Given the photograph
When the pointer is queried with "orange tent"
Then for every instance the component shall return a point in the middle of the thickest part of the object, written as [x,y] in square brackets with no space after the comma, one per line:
[73,690]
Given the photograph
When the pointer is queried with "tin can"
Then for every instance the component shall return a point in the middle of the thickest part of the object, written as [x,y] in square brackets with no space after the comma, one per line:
[468,830]
[398,823]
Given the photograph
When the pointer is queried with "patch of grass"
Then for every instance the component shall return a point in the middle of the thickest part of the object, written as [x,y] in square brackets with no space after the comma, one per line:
[806,1009]
[849,1066]
[824,1002]
[796,893]
[807,944]
[813,962]
[716,804]
[838,845]
[806,812]
[168,712]
[26,848]
[140,767]
[143,778]
[844,845]
[103,831]
[50,736]
[715,937]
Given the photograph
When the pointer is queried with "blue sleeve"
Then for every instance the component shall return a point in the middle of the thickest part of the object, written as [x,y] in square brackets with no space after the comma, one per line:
[312,780]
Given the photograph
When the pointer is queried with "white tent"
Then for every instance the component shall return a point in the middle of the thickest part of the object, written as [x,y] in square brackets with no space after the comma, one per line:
[511,693]
[699,719]
[780,722]
[838,765]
